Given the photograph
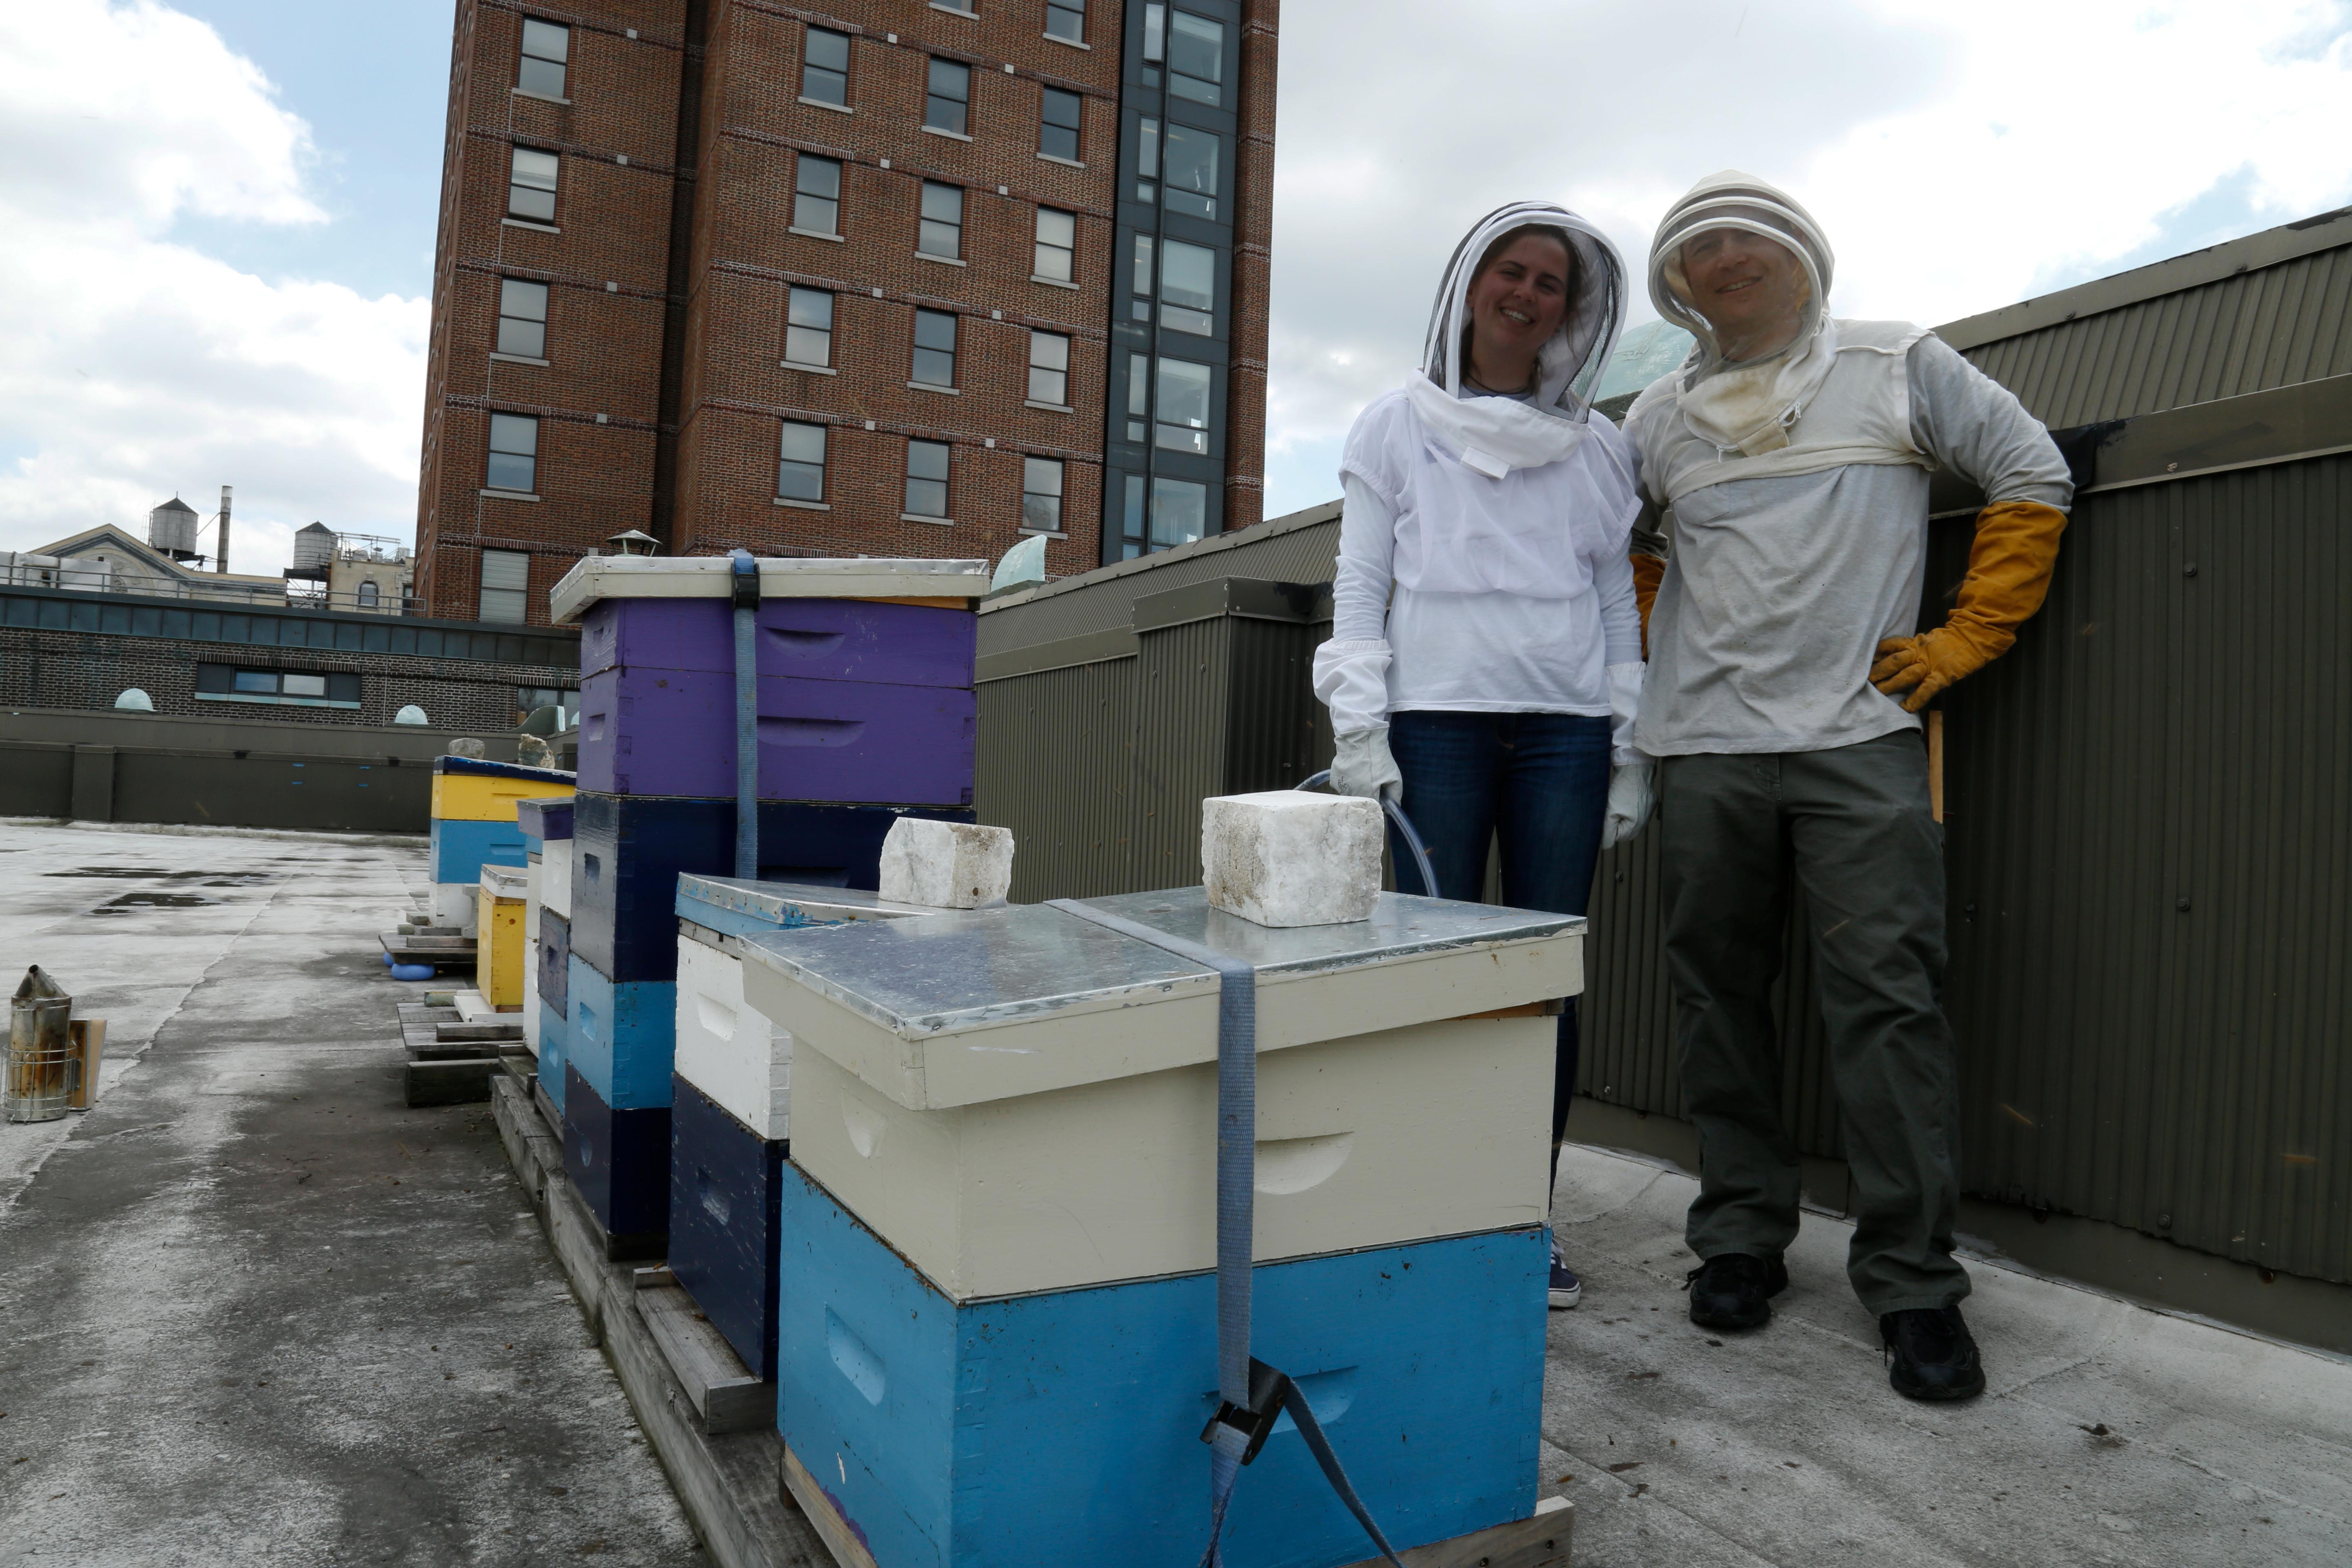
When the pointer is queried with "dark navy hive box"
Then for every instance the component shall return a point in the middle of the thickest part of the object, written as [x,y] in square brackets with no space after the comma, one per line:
[723,1191]
[619,1162]
[630,849]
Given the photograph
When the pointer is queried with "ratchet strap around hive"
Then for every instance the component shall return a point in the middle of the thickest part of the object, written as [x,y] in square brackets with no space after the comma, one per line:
[744,576]
[1253,1395]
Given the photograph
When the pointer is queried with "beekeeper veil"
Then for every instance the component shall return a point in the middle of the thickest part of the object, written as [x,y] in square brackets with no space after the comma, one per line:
[1568,366]
[1751,407]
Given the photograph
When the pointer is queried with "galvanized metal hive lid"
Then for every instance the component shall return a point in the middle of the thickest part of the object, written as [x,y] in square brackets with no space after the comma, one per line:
[599,577]
[944,973]
[791,903]
[1403,926]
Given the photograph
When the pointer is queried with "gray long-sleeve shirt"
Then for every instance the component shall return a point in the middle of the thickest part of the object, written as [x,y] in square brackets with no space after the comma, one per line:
[1778,591]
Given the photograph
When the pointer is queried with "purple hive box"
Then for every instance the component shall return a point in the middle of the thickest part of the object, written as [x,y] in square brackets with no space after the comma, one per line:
[650,731]
[818,640]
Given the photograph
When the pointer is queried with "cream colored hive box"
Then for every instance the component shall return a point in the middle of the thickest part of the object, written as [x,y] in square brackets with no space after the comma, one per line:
[1018,1100]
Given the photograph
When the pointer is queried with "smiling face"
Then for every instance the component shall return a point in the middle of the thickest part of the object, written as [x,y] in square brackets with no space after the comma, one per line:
[1517,300]
[1752,290]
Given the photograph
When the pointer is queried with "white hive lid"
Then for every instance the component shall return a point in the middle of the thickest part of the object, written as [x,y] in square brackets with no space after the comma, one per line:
[599,577]
[954,1009]
[505,881]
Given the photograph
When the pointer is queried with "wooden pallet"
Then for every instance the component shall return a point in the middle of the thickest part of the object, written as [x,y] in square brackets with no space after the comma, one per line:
[443,1071]
[451,950]
[1540,1541]
[724,1392]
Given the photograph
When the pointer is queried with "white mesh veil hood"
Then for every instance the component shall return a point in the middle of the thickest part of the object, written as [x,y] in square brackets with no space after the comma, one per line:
[1749,408]
[1569,367]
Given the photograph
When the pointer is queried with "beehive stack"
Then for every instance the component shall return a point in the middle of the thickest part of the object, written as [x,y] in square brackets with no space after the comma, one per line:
[473,826]
[865,714]
[731,1112]
[547,854]
[998,1325]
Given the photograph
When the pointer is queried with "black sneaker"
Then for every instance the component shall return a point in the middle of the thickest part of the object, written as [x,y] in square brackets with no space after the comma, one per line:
[1567,1289]
[1931,1354]
[1734,1290]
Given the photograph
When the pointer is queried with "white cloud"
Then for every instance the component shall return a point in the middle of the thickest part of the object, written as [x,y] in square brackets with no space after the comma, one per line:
[1960,158]
[139,367]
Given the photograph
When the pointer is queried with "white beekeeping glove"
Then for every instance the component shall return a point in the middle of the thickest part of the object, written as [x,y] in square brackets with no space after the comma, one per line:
[1363,767]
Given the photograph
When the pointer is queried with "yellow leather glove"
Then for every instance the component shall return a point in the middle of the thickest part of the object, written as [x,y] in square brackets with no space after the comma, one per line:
[1648,573]
[2009,575]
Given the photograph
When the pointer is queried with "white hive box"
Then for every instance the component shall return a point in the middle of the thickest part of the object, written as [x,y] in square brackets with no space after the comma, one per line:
[1020,1100]
[556,878]
[726,1048]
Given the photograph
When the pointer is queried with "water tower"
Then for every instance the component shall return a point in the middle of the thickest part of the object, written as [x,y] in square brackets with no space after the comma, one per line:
[171,529]
[314,553]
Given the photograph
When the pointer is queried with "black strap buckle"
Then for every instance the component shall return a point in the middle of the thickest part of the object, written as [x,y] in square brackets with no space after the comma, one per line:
[1268,1389]
[745,574]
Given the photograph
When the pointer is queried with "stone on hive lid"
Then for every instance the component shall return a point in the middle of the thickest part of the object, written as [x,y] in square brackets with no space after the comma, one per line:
[1285,857]
[946,865]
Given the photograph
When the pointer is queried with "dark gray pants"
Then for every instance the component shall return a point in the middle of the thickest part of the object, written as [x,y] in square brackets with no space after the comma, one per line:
[1854,829]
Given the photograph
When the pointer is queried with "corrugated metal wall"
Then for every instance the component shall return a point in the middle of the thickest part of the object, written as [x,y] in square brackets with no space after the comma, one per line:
[1055,762]
[2274,327]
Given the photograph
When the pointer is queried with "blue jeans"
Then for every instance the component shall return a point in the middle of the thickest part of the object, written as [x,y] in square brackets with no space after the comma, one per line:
[1540,782]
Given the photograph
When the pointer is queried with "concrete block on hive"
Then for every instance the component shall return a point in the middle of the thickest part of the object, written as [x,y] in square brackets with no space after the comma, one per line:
[950,865]
[1285,857]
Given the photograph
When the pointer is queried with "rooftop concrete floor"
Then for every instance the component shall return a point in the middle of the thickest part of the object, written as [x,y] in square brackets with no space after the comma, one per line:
[2108,1433]
[253,1309]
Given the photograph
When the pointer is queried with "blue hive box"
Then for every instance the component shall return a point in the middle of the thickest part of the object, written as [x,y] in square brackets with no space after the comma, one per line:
[545,819]
[1063,1427]
[551,1054]
[556,961]
[723,1191]
[619,1163]
[629,851]
[621,1038]
[459,848]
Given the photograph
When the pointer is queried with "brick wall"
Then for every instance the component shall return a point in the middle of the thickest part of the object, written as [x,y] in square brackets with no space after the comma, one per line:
[633,274]
[86,669]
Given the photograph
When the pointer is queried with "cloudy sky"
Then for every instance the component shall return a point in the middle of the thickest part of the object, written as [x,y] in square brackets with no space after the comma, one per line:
[218,216]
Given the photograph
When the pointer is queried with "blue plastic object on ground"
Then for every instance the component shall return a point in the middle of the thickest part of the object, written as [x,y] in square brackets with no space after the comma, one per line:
[412,971]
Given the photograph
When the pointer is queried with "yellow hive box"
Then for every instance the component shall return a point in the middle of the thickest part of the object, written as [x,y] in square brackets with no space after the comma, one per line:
[500,950]
[478,797]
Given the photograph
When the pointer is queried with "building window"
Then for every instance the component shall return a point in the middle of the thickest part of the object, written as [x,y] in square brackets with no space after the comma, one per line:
[927,480]
[1188,287]
[1155,40]
[808,330]
[298,687]
[1138,396]
[1196,59]
[1041,494]
[1147,161]
[816,195]
[800,462]
[506,585]
[1049,369]
[1057,245]
[1066,20]
[545,46]
[1057,127]
[935,348]
[530,700]
[942,226]
[1180,512]
[1140,306]
[1188,169]
[523,317]
[514,453]
[947,105]
[825,68]
[1183,415]
[368,596]
[530,186]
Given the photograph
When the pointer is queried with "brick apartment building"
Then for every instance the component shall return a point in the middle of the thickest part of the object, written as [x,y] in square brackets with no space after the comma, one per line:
[886,277]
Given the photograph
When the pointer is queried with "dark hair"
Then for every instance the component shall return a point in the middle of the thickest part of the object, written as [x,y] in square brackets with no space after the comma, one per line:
[1504,242]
